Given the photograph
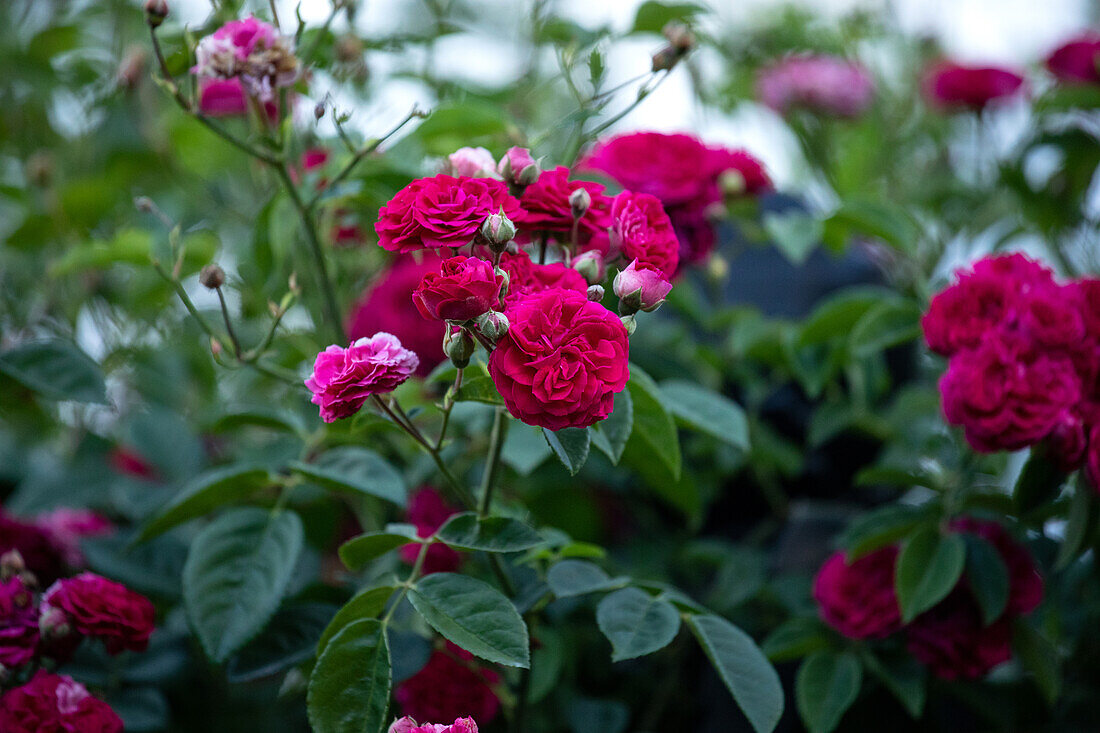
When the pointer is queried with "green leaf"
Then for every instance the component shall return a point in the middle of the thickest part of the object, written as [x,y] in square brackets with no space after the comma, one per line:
[205,493]
[652,16]
[905,677]
[636,623]
[260,417]
[479,388]
[707,411]
[289,639]
[743,668]
[836,316]
[360,550]
[577,577]
[880,527]
[55,369]
[796,637]
[1080,525]
[235,575]
[653,425]
[367,603]
[525,448]
[795,234]
[886,221]
[887,324]
[355,470]
[1038,484]
[610,435]
[570,445]
[1039,657]
[349,690]
[929,566]
[473,615]
[826,686]
[988,577]
[468,531]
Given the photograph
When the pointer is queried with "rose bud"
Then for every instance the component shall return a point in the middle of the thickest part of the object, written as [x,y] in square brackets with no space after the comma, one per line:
[473,162]
[640,286]
[459,347]
[499,230]
[518,167]
[630,323]
[595,293]
[492,325]
[319,111]
[579,201]
[590,265]
[155,12]
[679,36]
[11,564]
[665,59]
[348,48]
[212,277]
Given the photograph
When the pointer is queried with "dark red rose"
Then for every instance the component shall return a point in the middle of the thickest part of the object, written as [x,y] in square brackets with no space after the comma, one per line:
[526,276]
[386,306]
[428,511]
[857,598]
[951,639]
[463,289]
[1025,590]
[642,231]
[51,703]
[451,685]
[18,623]
[104,610]
[442,211]
[562,361]
[1076,61]
[546,208]
[1067,445]
[973,87]
[41,554]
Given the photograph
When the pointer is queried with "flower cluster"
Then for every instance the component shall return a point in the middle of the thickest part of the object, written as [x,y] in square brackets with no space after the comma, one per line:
[249,51]
[49,544]
[687,176]
[857,599]
[53,702]
[409,725]
[1024,355]
[450,685]
[822,84]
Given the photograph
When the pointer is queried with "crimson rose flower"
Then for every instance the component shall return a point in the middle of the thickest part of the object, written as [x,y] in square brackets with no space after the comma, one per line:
[952,641]
[1067,445]
[104,610]
[385,307]
[1076,61]
[408,725]
[954,85]
[67,527]
[18,623]
[464,288]
[226,98]
[857,599]
[343,379]
[1025,585]
[562,360]
[546,208]
[442,211]
[40,553]
[641,230]
[428,511]
[449,686]
[1007,395]
[526,276]
[51,703]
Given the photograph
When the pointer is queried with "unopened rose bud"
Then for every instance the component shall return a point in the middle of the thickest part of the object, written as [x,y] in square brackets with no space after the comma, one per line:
[640,286]
[212,277]
[595,293]
[319,111]
[665,59]
[53,623]
[498,230]
[155,12]
[144,204]
[458,346]
[403,725]
[348,48]
[732,182]
[591,266]
[132,67]
[492,325]
[630,323]
[40,169]
[292,284]
[506,279]
[518,167]
[718,269]
[11,564]
[679,36]
[215,348]
[579,201]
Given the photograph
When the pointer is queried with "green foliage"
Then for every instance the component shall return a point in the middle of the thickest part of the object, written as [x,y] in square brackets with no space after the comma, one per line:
[826,686]
[349,690]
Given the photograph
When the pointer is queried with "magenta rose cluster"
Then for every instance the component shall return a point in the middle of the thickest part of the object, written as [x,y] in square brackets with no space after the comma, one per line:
[857,598]
[49,543]
[243,59]
[1024,357]
[818,83]
[409,725]
[54,702]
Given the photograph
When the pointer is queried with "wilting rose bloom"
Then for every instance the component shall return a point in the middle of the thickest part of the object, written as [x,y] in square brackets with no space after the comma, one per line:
[518,167]
[40,553]
[857,598]
[227,98]
[68,526]
[408,725]
[385,307]
[464,288]
[451,685]
[249,50]
[641,286]
[18,623]
[343,379]
[562,361]
[526,276]
[428,511]
[952,641]
[105,610]
[823,84]
[472,162]
[973,87]
[683,173]
[51,703]
[546,208]
[1006,395]
[442,211]
[1076,61]
[642,231]
[1025,585]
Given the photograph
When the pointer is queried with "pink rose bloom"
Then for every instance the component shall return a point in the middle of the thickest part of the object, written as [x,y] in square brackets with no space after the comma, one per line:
[408,725]
[642,231]
[226,98]
[562,361]
[51,703]
[68,526]
[40,553]
[428,511]
[104,610]
[952,641]
[857,599]
[451,685]
[546,208]
[823,84]
[385,307]
[1076,61]
[18,623]
[464,288]
[1006,395]
[442,211]
[641,286]
[249,50]
[518,167]
[343,379]
[472,162]
[526,276]
[973,87]
[1025,590]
